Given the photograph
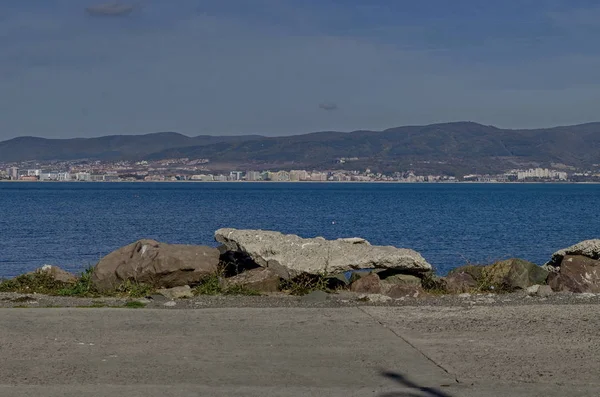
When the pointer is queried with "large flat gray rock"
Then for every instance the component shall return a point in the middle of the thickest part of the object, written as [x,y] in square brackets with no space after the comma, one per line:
[290,255]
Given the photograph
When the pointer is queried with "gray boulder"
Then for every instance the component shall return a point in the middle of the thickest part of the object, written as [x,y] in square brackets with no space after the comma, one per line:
[291,255]
[157,264]
[587,248]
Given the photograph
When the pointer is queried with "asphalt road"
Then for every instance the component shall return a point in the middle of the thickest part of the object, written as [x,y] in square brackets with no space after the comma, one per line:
[354,351]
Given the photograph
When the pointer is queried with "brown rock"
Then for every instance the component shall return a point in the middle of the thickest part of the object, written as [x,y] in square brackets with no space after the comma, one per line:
[57,274]
[370,284]
[157,264]
[401,290]
[577,274]
[403,279]
[460,282]
[259,279]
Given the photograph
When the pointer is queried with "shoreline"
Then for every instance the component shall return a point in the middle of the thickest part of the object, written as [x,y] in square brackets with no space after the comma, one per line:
[342,299]
[317,182]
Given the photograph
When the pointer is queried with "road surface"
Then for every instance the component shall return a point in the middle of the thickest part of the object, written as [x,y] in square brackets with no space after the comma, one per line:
[353,351]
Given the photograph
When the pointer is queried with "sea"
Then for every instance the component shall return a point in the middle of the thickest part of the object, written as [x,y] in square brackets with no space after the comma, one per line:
[73,225]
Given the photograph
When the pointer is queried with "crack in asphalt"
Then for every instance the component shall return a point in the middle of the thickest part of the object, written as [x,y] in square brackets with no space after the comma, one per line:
[440,366]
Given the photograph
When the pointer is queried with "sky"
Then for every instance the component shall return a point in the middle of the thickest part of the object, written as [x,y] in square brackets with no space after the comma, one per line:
[77,68]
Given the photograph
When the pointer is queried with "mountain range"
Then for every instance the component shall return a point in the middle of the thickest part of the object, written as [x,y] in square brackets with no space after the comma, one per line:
[458,147]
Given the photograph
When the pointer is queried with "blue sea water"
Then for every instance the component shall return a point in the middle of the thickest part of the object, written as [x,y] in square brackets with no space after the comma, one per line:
[73,225]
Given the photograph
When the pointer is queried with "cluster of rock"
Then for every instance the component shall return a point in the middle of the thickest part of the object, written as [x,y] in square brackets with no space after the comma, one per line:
[573,269]
[261,260]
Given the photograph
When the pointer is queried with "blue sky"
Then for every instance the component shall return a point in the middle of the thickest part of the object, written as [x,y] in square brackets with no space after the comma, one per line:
[268,66]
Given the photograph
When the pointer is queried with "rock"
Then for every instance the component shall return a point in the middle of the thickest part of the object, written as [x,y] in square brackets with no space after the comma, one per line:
[259,279]
[460,282]
[585,295]
[170,304]
[514,274]
[57,274]
[543,291]
[475,271]
[464,295]
[145,301]
[315,296]
[402,279]
[370,284]
[374,298]
[401,285]
[176,292]
[290,255]
[158,264]
[587,248]
[157,298]
[401,290]
[577,274]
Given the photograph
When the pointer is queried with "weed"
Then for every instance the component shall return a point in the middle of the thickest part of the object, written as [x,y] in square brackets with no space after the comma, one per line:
[83,287]
[134,290]
[305,284]
[241,290]
[134,305]
[210,285]
[37,282]
[433,284]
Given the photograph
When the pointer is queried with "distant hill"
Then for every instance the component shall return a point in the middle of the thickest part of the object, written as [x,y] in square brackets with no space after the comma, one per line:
[451,147]
[459,147]
[113,147]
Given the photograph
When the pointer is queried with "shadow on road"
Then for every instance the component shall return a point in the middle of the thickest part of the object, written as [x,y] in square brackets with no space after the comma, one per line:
[415,389]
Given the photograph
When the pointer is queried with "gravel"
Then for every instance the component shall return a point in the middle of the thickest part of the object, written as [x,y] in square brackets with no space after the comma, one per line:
[342,299]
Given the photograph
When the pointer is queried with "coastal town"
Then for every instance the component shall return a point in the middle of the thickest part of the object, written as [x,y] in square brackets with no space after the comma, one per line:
[199,170]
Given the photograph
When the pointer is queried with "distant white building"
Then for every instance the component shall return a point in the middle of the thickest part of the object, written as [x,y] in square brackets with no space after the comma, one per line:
[13,173]
[253,176]
[541,173]
[84,176]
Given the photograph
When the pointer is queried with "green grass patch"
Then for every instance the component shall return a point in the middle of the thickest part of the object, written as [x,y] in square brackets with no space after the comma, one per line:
[241,290]
[83,287]
[210,285]
[134,305]
[133,289]
[213,285]
[38,282]
[305,284]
